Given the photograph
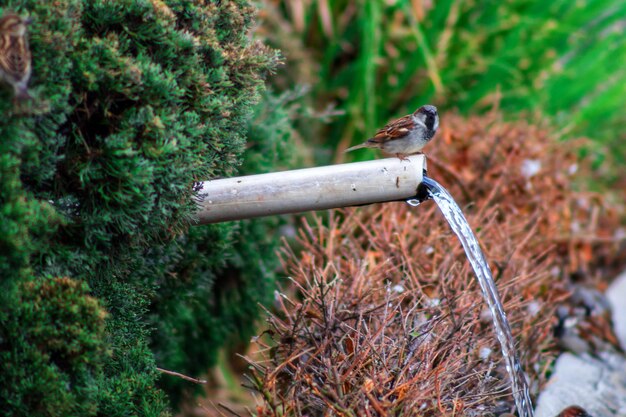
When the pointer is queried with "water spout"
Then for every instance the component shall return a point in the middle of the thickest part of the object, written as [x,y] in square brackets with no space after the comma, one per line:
[461,228]
[301,190]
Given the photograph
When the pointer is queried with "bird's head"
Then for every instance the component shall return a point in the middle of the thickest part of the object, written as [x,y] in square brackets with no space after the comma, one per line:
[428,116]
[13,24]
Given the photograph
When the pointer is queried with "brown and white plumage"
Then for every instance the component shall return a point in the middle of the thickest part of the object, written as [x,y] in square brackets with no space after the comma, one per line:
[406,135]
[15,58]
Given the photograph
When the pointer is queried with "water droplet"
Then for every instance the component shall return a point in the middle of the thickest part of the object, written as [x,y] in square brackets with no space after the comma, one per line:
[413,202]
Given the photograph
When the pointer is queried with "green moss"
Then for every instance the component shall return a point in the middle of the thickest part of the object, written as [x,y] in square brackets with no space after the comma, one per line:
[134,101]
[51,349]
[218,276]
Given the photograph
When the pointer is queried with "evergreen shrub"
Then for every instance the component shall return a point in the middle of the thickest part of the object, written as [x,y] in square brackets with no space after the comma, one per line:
[133,102]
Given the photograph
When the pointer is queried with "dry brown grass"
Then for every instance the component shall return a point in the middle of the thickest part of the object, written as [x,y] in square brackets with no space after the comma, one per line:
[382,316]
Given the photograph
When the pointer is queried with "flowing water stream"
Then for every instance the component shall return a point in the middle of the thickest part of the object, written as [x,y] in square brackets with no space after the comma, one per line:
[461,228]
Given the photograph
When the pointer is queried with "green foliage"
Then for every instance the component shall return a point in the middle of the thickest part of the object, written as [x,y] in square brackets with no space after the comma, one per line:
[133,102]
[52,349]
[219,275]
[378,60]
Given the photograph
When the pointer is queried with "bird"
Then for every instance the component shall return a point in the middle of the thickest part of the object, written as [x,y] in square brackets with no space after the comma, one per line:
[574,411]
[15,56]
[406,135]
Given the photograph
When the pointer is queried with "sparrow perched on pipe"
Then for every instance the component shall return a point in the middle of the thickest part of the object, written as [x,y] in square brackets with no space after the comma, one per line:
[406,135]
[15,55]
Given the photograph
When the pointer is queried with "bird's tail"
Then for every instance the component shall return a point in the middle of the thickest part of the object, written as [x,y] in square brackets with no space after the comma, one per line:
[21,93]
[361,146]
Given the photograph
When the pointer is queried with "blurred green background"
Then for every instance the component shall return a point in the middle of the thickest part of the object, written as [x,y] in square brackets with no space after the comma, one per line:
[559,63]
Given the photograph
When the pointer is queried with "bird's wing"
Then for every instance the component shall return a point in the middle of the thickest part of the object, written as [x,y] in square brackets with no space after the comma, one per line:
[396,129]
[18,59]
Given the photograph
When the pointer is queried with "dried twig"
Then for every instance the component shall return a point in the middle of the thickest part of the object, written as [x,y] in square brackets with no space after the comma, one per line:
[179,375]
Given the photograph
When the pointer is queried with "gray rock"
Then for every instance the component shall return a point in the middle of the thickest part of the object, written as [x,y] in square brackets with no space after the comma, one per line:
[598,384]
[617,296]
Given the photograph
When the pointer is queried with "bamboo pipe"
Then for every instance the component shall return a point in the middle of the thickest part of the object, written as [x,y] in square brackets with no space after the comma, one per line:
[309,189]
